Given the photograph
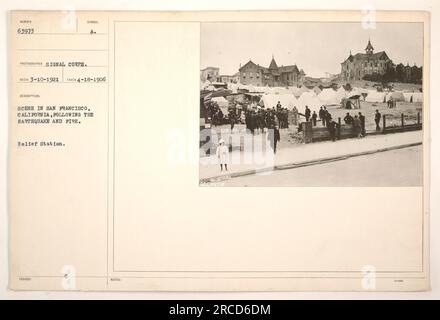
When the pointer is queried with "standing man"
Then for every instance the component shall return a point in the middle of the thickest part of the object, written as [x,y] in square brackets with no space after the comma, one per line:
[295,116]
[348,119]
[362,121]
[357,127]
[273,135]
[232,118]
[321,116]
[314,118]
[252,122]
[332,128]
[328,117]
[325,117]
[278,105]
[390,103]
[307,113]
[377,117]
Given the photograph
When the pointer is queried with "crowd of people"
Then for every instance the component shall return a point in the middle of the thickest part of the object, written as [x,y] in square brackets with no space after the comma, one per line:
[214,112]
[258,120]
[358,123]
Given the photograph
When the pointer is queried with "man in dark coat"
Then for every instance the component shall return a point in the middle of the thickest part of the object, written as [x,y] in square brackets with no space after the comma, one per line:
[314,118]
[231,116]
[377,117]
[356,127]
[328,117]
[273,135]
[307,113]
[362,121]
[332,128]
[348,119]
[321,116]
[390,103]
[247,119]
[252,120]
[325,117]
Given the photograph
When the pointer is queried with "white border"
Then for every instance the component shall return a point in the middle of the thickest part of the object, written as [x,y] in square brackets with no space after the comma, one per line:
[429,5]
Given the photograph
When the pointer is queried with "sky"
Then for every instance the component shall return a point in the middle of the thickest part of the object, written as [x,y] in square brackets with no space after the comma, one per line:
[316,47]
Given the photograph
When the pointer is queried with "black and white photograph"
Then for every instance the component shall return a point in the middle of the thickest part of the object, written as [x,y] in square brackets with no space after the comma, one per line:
[310,174]
[311,104]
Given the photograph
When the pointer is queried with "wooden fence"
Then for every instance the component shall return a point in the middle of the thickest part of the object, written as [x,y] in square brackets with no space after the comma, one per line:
[344,131]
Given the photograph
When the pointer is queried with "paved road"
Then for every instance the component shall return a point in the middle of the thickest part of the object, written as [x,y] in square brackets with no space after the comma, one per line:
[396,168]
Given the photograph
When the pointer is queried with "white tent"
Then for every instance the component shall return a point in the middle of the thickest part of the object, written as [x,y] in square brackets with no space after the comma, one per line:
[302,90]
[417,97]
[222,103]
[408,96]
[329,96]
[296,91]
[397,96]
[309,99]
[287,100]
[316,90]
[341,93]
[375,96]
[413,96]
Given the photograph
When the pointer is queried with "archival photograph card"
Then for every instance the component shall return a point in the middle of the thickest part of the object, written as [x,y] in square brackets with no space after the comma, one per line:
[219,151]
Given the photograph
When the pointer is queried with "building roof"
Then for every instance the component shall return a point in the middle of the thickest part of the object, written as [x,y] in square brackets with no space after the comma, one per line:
[292,68]
[249,64]
[369,55]
[369,46]
[215,68]
[373,56]
[365,56]
[273,64]
[273,68]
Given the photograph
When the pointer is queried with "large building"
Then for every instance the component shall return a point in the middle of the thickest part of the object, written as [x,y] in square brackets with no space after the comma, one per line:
[355,67]
[274,76]
[235,78]
[210,74]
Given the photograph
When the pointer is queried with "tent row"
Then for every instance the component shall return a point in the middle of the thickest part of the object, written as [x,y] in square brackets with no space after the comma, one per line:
[314,102]
[374,96]
[326,96]
[288,100]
